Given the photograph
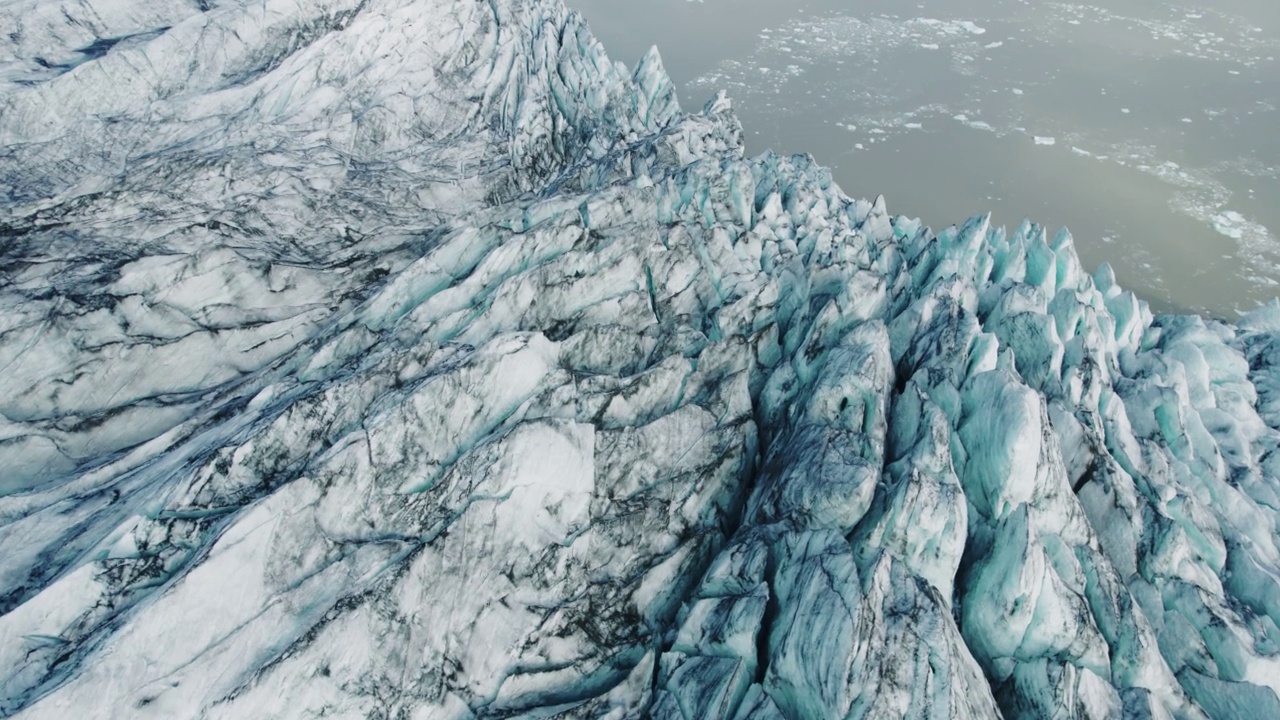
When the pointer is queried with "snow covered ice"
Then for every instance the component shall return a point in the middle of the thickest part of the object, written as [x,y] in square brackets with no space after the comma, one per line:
[411,359]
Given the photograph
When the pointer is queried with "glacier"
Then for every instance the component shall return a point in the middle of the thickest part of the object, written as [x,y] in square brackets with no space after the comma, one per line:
[412,359]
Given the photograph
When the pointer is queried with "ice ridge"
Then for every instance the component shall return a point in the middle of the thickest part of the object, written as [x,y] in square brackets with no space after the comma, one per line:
[411,359]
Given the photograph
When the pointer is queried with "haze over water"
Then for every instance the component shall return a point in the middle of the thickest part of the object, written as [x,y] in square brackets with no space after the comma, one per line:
[1149,129]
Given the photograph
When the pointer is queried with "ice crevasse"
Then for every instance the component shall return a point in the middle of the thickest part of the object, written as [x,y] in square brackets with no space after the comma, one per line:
[411,359]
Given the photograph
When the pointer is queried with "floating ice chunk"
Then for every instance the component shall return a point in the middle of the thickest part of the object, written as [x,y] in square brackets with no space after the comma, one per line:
[1229,223]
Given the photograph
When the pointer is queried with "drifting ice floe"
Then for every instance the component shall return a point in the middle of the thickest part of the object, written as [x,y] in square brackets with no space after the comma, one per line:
[412,359]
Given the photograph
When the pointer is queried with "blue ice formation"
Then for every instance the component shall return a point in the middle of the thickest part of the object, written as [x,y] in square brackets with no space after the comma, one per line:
[410,359]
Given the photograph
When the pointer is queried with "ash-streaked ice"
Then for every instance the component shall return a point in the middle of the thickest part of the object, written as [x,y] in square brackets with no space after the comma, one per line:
[412,359]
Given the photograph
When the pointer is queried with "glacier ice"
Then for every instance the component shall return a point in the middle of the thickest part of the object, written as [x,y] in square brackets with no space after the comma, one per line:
[410,358]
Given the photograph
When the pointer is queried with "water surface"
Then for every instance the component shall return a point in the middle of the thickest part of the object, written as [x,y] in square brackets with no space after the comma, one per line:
[1149,129]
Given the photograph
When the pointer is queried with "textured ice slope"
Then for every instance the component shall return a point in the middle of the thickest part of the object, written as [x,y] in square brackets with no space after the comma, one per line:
[411,360]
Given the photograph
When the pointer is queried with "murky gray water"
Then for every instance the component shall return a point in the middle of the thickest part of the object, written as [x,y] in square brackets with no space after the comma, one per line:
[1150,129]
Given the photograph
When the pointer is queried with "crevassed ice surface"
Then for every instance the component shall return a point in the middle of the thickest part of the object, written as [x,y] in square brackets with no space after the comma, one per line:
[413,360]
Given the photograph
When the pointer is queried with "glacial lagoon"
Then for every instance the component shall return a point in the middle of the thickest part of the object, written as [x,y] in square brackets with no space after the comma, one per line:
[1149,129]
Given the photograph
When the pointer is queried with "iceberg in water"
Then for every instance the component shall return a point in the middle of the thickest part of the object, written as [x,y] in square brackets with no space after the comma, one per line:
[411,359]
